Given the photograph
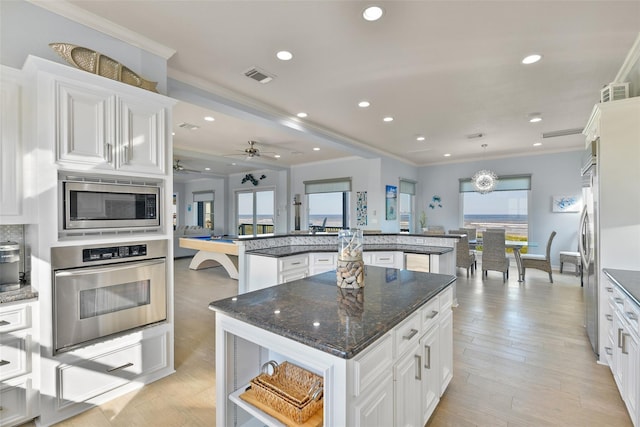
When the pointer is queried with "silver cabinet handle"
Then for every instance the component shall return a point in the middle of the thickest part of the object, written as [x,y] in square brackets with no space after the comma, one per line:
[109,148]
[295,263]
[4,323]
[433,314]
[4,362]
[619,337]
[418,366]
[624,344]
[619,301]
[412,334]
[127,159]
[323,260]
[608,350]
[384,259]
[609,289]
[609,317]
[631,315]
[126,365]
[427,362]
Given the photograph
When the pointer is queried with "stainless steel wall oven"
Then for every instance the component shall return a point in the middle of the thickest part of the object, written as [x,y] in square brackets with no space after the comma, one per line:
[101,290]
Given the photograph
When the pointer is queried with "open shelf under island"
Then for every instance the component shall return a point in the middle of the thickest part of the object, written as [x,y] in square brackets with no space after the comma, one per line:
[385,352]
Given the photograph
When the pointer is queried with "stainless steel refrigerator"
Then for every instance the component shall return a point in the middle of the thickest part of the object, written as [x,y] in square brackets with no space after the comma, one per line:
[588,242]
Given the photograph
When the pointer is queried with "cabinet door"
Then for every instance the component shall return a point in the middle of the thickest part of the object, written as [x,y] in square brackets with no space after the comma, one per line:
[617,365]
[630,351]
[10,145]
[85,125]
[446,350]
[142,136]
[408,385]
[377,408]
[430,347]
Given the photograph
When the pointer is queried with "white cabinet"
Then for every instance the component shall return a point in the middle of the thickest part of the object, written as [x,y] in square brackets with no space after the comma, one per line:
[264,271]
[376,409]
[18,351]
[431,390]
[11,147]
[107,130]
[384,259]
[623,348]
[321,262]
[407,374]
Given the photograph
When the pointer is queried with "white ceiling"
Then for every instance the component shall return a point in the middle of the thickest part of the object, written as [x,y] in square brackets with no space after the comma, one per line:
[442,69]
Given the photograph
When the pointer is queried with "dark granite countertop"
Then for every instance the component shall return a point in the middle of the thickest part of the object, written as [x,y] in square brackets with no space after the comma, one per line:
[316,312]
[281,251]
[24,293]
[320,234]
[628,280]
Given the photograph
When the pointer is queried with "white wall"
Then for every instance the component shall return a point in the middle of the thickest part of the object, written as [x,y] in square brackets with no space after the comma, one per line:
[551,174]
[26,29]
[392,171]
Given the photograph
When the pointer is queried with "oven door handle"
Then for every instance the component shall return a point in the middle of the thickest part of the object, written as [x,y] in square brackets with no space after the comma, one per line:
[107,269]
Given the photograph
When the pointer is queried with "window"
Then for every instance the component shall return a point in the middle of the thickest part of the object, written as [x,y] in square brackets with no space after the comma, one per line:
[406,206]
[174,209]
[255,212]
[203,201]
[506,207]
[328,204]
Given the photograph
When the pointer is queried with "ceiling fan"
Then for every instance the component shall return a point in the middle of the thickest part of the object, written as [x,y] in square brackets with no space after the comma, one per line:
[252,151]
[179,168]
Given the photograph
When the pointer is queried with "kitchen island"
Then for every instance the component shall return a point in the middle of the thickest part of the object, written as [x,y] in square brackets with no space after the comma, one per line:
[384,352]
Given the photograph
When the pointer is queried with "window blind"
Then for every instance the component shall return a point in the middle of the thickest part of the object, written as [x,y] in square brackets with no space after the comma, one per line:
[407,187]
[203,196]
[505,183]
[336,185]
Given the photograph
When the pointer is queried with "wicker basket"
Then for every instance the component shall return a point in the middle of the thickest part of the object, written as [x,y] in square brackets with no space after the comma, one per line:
[290,390]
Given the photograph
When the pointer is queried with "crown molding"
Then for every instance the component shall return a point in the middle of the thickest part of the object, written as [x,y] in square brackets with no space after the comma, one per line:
[93,21]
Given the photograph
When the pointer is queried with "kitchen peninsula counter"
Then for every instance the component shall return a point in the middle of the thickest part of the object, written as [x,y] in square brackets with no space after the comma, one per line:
[280,251]
[627,280]
[355,340]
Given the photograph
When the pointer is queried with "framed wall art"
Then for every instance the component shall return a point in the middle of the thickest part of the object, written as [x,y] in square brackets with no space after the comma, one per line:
[565,204]
[391,202]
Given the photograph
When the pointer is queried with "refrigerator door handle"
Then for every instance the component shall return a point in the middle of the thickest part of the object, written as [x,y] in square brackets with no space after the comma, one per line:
[583,234]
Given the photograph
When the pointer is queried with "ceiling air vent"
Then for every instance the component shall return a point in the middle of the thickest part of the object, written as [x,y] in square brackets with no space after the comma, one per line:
[564,132]
[189,126]
[614,91]
[259,75]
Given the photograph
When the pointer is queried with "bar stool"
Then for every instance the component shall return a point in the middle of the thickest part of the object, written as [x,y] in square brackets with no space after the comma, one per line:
[571,258]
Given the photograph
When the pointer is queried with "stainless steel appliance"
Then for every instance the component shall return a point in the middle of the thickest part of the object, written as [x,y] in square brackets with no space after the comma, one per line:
[92,205]
[588,242]
[9,266]
[101,290]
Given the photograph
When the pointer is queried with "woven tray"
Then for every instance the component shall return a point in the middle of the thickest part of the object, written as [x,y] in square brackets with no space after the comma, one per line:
[290,390]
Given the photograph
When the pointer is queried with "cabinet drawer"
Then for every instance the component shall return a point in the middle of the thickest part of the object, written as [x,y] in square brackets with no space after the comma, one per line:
[631,313]
[371,365]
[13,402]
[429,313]
[323,259]
[446,299]
[15,356]
[407,334]
[87,379]
[15,318]
[293,262]
[384,259]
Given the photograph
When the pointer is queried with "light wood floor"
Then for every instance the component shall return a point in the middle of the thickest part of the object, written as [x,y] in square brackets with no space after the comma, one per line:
[521,358]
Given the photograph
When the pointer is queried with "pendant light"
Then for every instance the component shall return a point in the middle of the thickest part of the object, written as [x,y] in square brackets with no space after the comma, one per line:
[484,181]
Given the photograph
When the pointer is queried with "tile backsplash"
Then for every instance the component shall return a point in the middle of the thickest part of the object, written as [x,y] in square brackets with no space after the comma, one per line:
[15,233]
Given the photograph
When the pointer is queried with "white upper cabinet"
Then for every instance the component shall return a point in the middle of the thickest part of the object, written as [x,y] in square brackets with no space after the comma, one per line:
[108,130]
[99,124]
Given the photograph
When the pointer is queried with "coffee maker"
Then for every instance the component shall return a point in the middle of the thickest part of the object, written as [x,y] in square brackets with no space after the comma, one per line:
[9,266]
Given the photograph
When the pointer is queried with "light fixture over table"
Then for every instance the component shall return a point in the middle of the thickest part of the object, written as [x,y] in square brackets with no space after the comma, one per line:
[484,181]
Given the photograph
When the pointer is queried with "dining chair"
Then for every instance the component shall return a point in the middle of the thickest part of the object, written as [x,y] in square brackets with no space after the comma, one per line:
[464,257]
[494,256]
[539,262]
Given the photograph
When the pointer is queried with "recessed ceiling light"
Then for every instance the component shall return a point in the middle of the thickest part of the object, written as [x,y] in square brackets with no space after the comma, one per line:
[316,323]
[173,134]
[302,115]
[277,156]
[388,119]
[209,118]
[364,104]
[447,155]
[535,117]
[420,138]
[531,59]
[207,169]
[372,13]
[537,144]
[233,164]
[284,55]
[316,148]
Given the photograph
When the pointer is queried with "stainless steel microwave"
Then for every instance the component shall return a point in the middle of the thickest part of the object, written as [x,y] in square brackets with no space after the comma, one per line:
[89,205]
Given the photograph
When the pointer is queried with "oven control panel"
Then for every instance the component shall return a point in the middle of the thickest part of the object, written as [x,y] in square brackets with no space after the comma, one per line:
[113,252]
